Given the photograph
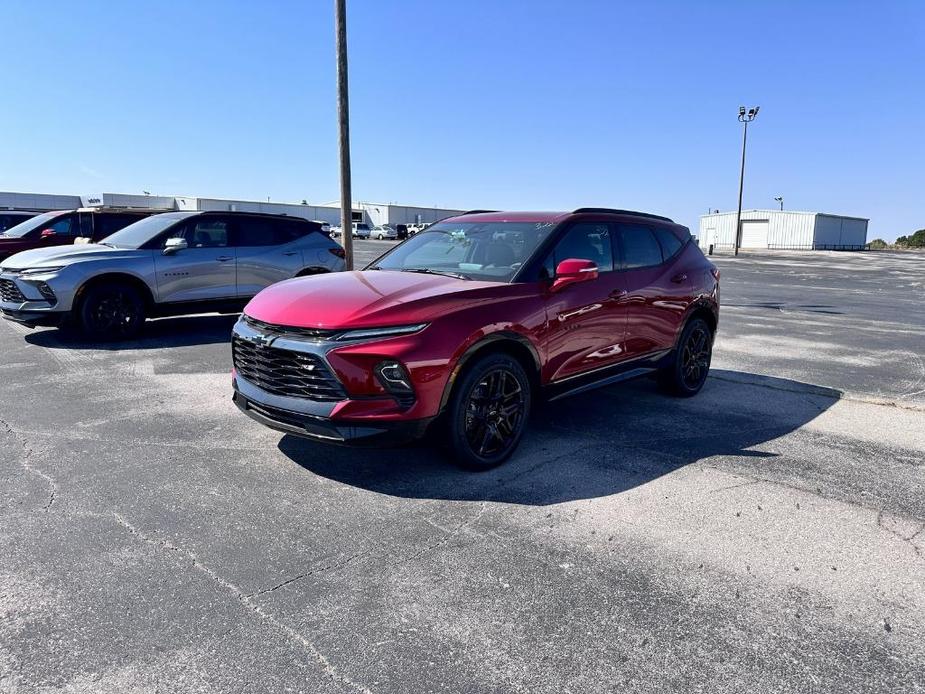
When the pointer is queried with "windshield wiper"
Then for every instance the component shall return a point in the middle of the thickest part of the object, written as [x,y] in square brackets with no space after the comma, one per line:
[428,271]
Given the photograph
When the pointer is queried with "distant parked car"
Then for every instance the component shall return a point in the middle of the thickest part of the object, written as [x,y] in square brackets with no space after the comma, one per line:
[401,231]
[64,227]
[361,230]
[171,263]
[384,231]
[11,218]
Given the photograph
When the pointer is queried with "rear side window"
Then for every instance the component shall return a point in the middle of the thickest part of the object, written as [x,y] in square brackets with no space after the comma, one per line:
[270,232]
[670,243]
[640,247]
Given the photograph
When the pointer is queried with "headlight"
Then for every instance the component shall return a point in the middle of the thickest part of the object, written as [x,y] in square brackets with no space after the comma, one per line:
[382,332]
[40,270]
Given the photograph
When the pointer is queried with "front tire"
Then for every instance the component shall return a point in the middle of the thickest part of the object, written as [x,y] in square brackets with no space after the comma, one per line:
[113,311]
[488,412]
[690,362]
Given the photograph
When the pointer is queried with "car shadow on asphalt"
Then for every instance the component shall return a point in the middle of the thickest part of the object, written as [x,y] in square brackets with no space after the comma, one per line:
[181,331]
[601,443]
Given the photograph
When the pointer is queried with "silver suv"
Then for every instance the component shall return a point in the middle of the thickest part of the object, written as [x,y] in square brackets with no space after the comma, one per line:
[167,264]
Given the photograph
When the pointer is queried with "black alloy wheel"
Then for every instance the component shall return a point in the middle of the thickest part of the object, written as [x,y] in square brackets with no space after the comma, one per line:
[688,370]
[489,412]
[111,312]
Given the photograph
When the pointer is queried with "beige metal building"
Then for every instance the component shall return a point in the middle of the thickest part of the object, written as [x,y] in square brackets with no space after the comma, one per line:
[784,230]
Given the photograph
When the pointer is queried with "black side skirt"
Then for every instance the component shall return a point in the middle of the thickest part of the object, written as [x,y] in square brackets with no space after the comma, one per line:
[606,376]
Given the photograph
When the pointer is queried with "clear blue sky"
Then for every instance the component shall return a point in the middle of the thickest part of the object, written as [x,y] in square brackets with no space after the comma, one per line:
[518,105]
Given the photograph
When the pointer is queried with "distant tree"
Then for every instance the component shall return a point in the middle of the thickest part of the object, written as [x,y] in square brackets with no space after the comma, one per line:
[917,240]
[877,245]
[902,240]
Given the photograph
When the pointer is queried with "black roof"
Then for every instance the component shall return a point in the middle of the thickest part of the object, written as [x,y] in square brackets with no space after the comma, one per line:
[631,213]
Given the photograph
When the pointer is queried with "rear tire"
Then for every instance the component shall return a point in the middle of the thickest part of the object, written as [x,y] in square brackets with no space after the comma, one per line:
[113,311]
[685,375]
[488,412]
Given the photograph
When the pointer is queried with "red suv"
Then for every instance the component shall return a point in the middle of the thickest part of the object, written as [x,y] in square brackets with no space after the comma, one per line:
[467,323]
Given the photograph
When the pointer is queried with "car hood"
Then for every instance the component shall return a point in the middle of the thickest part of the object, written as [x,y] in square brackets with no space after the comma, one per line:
[366,299]
[64,255]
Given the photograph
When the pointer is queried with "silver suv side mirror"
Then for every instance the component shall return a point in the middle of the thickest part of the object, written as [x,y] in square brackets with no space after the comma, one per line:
[175,244]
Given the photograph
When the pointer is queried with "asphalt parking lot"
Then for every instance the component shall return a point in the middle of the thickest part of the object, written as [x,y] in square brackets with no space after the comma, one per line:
[765,536]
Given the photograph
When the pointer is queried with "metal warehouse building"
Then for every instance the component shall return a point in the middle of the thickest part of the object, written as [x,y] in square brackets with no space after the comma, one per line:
[784,230]
[371,213]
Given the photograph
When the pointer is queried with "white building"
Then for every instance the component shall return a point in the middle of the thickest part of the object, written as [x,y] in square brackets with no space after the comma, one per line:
[784,230]
[388,213]
[372,213]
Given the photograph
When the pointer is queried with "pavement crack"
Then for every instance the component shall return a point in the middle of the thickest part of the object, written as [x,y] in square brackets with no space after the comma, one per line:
[736,486]
[246,600]
[900,536]
[330,567]
[446,538]
[25,462]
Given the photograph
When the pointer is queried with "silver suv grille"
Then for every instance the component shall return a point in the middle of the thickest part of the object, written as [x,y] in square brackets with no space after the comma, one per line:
[10,292]
[283,372]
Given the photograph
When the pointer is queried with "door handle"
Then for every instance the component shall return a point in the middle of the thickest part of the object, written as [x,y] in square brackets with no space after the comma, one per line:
[618,294]
[224,258]
[290,252]
[680,277]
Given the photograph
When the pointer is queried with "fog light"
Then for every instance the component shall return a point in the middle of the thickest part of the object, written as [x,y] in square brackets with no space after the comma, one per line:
[393,376]
[47,292]
[396,381]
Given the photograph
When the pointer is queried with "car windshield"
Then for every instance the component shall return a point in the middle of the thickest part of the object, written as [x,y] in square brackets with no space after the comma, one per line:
[136,235]
[490,251]
[32,224]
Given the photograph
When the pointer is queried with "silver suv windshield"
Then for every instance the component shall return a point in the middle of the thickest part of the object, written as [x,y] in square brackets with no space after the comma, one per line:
[488,251]
[136,235]
[33,223]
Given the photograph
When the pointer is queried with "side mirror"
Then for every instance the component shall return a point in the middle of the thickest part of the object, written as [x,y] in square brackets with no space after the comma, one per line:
[573,271]
[48,233]
[175,244]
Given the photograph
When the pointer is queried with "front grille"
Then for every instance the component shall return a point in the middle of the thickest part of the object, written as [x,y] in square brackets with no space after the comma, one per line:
[10,292]
[283,372]
[289,330]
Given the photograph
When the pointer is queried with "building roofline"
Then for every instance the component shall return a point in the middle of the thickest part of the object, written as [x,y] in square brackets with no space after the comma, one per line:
[769,211]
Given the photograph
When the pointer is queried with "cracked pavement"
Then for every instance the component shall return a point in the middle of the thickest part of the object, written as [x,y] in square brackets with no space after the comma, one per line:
[764,536]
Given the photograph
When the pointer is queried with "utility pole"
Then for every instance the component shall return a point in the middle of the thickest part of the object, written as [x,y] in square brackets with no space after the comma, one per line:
[343,127]
[744,118]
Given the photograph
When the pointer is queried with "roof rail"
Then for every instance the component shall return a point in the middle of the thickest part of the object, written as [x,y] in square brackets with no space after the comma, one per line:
[610,210]
[475,212]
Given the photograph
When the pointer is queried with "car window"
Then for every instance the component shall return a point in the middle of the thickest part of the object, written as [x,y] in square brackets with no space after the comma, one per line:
[670,243]
[64,226]
[640,247]
[255,231]
[586,241]
[205,232]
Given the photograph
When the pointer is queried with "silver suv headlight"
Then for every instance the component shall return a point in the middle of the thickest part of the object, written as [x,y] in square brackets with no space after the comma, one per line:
[40,270]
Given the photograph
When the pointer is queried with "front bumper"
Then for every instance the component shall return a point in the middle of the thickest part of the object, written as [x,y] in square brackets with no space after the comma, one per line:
[33,300]
[33,319]
[325,430]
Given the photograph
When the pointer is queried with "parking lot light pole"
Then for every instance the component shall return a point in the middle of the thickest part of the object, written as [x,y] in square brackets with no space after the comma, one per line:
[780,199]
[745,117]
[343,127]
